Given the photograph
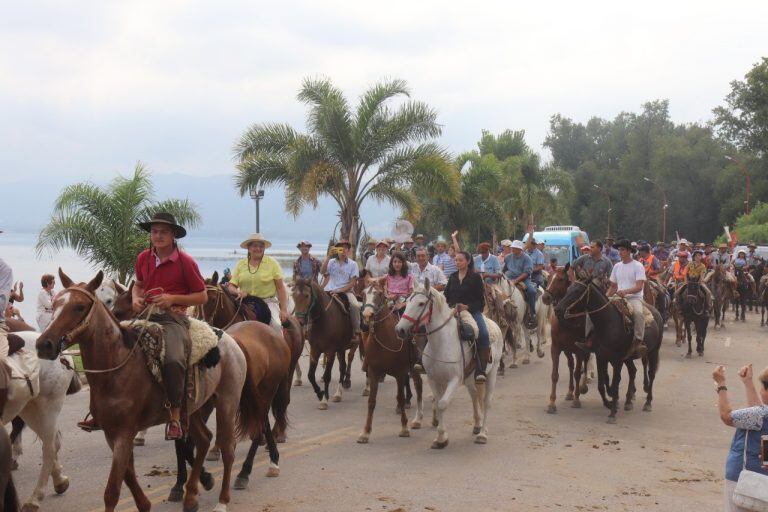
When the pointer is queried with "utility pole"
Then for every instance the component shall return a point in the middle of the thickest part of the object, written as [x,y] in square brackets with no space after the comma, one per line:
[608,197]
[663,209]
[743,169]
[257,196]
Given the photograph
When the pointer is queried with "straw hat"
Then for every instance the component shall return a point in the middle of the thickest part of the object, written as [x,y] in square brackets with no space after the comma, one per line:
[506,243]
[256,237]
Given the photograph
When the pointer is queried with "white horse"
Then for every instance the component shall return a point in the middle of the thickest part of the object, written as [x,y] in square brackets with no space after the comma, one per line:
[445,357]
[108,292]
[522,335]
[41,414]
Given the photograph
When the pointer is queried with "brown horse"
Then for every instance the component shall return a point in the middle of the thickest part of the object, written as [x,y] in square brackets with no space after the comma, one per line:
[9,500]
[125,398]
[330,334]
[565,333]
[386,354]
[222,310]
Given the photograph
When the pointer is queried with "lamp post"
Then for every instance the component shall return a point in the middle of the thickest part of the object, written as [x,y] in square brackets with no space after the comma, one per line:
[743,169]
[257,196]
[663,209]
[608,197]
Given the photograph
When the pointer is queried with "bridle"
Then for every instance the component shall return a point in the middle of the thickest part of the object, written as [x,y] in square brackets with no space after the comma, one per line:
[219,303]
[373,322]
[422,319]
[304,315]
[586,293]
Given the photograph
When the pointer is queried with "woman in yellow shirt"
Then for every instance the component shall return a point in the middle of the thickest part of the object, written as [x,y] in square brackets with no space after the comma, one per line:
[259,275]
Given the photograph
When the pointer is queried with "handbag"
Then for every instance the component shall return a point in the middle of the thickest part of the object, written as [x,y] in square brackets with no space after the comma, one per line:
[751,491]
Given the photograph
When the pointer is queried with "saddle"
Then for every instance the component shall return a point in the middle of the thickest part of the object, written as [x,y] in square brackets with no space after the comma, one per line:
[257,309]
[625,308]
[468,332]
[342,300]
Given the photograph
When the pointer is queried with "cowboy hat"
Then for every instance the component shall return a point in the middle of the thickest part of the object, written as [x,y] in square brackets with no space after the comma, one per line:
[443,242]
[661,243]
[645,248]
[383,242]
[418,236]
[409,240]
[625,244]
[505,243]
[722,246]
[517,244]
[343,242]
[741,251]
[684,241]
[303,243]
[751,245]
[164,218]
[256,237]
[483,246]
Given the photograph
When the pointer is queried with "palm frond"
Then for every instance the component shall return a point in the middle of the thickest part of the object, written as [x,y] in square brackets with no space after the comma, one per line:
[268,138]
[329,118]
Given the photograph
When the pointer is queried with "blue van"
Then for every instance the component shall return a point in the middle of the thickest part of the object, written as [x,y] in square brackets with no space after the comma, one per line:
[561,242]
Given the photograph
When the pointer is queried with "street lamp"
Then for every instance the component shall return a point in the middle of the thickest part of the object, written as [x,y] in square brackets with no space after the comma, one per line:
[743,169]
[608,197]
[663,209]
[257,196]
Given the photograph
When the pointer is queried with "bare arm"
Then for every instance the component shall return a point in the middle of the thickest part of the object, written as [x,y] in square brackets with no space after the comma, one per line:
[612,289]
[282,297]
[455,239]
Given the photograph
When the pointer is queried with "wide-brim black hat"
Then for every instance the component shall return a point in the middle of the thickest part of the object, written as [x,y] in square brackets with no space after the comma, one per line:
[164,218]
[625,244]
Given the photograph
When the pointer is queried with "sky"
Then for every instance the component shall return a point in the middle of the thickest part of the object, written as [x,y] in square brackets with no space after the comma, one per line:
[87,89]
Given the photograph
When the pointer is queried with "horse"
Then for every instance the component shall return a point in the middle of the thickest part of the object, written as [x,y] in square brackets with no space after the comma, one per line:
[500,308]
[125,398]
[743,293]
[444,359]
[109,291]
[330,334]
[9,500]
[387,354]
[521,333]
[57,380]
[564,336]
[693,307]
[722,294]
[763,298]
[613,341]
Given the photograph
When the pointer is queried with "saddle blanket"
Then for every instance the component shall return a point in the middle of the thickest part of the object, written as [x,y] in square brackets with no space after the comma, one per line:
[24,371]
[203,339]
[627,310]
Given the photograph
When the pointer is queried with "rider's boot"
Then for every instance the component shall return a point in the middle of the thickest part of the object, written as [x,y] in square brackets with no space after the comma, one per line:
[586,345]
[89,423]
[417,366]
[637,349]
[173,430]
[481,360]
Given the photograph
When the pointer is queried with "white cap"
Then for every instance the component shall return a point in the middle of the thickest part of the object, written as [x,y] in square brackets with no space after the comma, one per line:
[517,244]
[506,243]
[684,241]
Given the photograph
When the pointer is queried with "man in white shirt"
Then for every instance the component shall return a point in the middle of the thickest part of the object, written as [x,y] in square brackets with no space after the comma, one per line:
[423,269]
[340,275]
[378,263]
[627,280]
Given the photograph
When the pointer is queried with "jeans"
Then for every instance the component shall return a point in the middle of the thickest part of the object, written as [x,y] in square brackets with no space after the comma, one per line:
[176,334]
[530,297]
[638,317]
[483,339]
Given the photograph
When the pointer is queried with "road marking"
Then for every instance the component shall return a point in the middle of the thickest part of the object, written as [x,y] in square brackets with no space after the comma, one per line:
[298,448]
[727,341]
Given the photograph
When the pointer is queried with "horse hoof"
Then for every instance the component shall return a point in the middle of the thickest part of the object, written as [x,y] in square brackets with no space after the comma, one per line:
[346,384]
[569,397]
[407,404]
[647,408]
[526,361]
[475,431]
[176,494]
[363,439]
[481,439]
[415,425]
[213,455]
[62,486]
[500,371]
[322,406]
[241,483]
[584,389]
[273,471]
[139,441]
[629,406]
[678,344]
[435,423]
[297,383]
[700,353]
[366,392]
[513,365]
[14,465]
[220,507]
[192,508]
[30,507]
[611,420]
[207,480]
[551,409]
[439,445]
[688,355]
[576,404]
[281,439]
[404,433]
[540,353]
[336,398]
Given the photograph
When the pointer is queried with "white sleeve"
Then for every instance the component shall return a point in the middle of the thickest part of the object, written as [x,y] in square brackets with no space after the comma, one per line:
[639,272]
[441,279]
[368,263]
[613,274]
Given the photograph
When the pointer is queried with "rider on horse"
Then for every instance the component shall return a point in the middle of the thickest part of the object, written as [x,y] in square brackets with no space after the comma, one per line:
[423,269]
[627,281]
[6,283]
[339,277]
[306,266]
[538,261]
[398,282]
[377,263]
[487,264]
[650,262]
[694,272]
[518,269]
[259,275]
[597,266]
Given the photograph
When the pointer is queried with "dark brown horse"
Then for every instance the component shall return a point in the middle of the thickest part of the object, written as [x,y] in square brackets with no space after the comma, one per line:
[125,398]
[692,304]
[9,500]
[565,333]
[386,354]
[722,294]
[330,334]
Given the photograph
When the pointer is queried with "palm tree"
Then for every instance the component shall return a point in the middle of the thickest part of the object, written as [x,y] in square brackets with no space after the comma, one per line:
[374,152]
[100,224]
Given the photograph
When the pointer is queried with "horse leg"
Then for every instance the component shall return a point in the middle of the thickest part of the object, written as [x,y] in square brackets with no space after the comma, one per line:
[571,385]
[555,353]
[297,381]
[476,409]
[201,436]
[346,368]
[274,453]
[688,336]
[241,482]
[653,365]
[182,456]
[122,448]
[311,373]
[135,487]
[402,383]
[327,379]
[43,423]
[579,372]
[140,439]
[441,441]
[408,393]
[603,381]
[631,390]
[17,425]
[419,385]
[342,376]
[373,379]
[614,390]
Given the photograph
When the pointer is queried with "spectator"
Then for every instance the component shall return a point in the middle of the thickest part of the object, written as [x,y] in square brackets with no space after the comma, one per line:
[750,424]
[378,264]
[17,292]
[226,276]
[45,302]
[306,266]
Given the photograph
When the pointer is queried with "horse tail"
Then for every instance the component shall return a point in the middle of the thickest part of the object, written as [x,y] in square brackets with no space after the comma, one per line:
[250,417]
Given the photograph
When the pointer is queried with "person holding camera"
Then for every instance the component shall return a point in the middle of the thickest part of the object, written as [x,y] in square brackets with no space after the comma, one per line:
[751,425]
[340,274]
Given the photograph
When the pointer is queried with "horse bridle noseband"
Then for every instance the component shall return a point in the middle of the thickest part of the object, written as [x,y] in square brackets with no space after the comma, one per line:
[424,320]
[568,315]
[200,310]
[373,322]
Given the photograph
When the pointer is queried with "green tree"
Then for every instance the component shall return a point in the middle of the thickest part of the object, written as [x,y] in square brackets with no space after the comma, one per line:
[100,223]
[753,227]
[743,120]
[375,151]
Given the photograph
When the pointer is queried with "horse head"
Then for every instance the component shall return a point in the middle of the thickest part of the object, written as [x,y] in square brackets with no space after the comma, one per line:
[558,285]
[122,307]
[304,296]
[576,298]
[375,299]
[73,309]
[419,309]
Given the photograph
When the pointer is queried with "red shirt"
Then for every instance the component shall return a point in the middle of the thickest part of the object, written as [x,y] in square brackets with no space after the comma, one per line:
[178,275]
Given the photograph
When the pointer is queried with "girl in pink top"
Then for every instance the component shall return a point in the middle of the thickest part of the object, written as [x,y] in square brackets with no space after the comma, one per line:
[398,281]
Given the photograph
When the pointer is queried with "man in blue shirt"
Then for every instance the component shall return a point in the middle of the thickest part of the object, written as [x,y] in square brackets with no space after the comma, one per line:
[538,262]
[486,264]
[519,268]
[611,253]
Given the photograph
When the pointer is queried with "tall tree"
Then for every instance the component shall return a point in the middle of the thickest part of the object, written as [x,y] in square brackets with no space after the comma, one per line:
[743,120]
[101,223]
[376,151]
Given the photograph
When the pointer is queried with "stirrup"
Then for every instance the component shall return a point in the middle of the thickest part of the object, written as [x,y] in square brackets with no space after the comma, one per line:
[89,425]
[168,426]
[480,378]
[583,346]
[418,368]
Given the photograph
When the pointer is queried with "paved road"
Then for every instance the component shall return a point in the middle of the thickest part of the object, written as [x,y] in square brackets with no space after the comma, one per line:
[668,459]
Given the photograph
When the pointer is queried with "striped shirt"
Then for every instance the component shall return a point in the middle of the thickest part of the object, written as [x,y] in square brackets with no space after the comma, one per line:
[444,263]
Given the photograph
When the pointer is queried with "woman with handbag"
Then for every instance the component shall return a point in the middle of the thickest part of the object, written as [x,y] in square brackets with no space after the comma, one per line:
[746,479]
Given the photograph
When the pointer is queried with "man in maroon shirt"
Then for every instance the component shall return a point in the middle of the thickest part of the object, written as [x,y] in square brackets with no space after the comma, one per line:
[169,279]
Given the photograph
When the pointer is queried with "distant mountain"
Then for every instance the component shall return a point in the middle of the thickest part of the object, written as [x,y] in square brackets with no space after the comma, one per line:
[28,206]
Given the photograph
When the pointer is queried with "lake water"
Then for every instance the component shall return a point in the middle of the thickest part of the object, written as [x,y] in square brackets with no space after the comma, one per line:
[211,254]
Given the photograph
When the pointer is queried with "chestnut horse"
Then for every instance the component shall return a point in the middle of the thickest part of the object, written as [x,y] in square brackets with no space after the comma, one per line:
[386,354]
[125,398]
[330,334]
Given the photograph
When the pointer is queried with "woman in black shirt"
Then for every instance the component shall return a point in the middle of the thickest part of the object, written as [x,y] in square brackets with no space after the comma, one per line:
[465,292]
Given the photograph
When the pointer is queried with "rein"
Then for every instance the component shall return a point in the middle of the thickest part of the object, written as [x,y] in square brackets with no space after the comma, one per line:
[374,322]
[200,313]
[587,286]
